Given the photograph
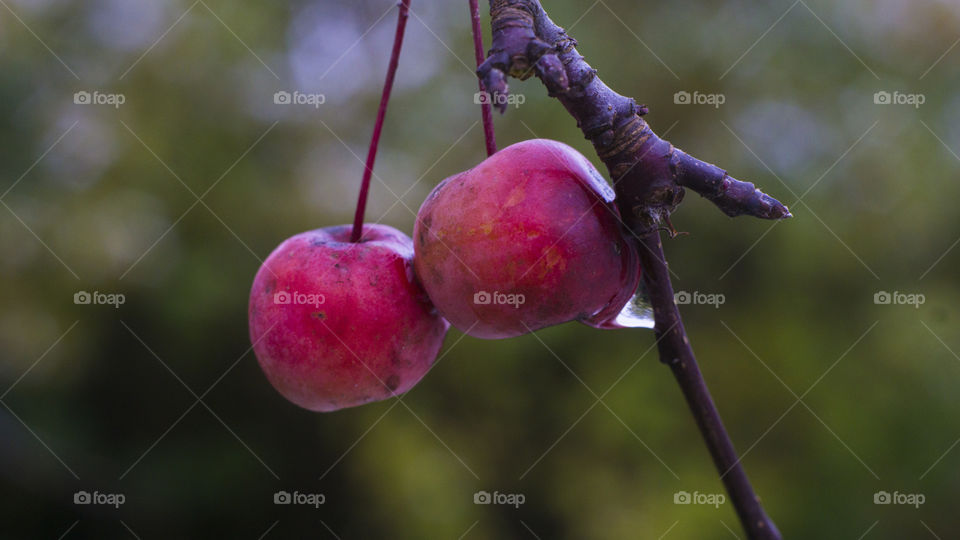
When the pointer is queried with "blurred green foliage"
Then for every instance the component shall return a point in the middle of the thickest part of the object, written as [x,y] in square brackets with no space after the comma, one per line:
[830,397]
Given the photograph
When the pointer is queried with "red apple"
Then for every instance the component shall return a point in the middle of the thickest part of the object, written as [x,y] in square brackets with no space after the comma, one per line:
[527,239]
[336,324]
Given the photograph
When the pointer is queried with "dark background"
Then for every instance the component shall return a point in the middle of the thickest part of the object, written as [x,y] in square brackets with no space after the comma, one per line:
[98,198]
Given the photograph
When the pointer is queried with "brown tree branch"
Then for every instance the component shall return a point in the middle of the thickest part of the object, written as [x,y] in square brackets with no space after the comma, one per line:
[675,351]
[649,175]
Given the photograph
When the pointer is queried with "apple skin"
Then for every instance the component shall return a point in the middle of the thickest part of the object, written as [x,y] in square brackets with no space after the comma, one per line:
[369,332]
[537,221]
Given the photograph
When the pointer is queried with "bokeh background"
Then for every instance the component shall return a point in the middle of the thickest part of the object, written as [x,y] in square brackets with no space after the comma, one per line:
[174,197]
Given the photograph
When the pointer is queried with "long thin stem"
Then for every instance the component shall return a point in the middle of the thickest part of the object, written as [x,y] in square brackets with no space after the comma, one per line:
[675,351]
[378,126]
[486,111]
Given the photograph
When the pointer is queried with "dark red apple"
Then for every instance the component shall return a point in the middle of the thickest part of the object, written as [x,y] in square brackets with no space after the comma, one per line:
[337,324]
[527,239]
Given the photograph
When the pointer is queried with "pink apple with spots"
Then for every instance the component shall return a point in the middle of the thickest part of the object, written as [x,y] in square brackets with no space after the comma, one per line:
[527,239]
[337,324]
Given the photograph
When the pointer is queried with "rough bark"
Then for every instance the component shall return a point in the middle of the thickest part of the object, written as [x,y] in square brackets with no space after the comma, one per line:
[649,173]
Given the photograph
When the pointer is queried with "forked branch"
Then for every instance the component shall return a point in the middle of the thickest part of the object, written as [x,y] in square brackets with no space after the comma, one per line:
[648,172]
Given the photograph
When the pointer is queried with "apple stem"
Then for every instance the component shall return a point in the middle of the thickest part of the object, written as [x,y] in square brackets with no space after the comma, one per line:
[486,111]
[378,126]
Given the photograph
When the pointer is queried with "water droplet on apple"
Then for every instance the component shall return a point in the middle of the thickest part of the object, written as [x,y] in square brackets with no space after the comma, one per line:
[637,313]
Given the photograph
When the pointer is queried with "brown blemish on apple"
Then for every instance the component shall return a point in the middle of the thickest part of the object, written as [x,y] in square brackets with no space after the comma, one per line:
[512,269]
[551,259]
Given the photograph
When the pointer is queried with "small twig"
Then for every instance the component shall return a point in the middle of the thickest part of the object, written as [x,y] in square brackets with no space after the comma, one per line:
[378,125]
[486,112]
